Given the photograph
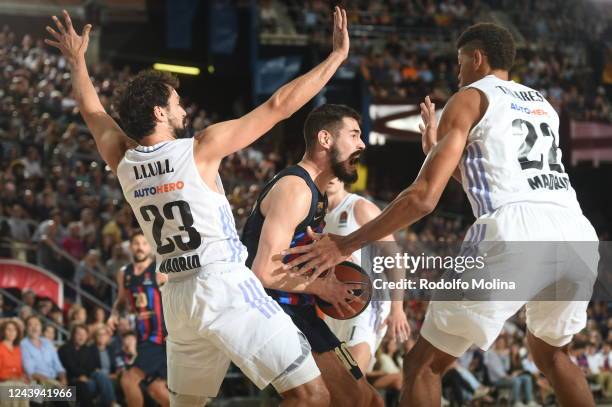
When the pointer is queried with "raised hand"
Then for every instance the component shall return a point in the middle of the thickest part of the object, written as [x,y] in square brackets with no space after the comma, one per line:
[341,35]
[72,45]
[429,127]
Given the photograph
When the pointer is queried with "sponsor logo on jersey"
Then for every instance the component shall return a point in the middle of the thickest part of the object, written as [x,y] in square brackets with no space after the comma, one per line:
[180,263]
[548,181]
[342,221]
[525,96]
[152,169]
[526,110]
[160,189]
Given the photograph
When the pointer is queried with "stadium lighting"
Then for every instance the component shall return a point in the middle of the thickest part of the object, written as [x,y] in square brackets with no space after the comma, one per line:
[187,70]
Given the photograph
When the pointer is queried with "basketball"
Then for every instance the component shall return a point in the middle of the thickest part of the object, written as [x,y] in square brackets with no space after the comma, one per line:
[348,272]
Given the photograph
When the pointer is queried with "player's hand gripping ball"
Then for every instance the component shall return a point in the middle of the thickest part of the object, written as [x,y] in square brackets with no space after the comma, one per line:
[348,272]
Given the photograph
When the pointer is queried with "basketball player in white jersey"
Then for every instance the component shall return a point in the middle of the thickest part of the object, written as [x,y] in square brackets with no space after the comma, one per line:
[363,334]
[216,310]
[500,139]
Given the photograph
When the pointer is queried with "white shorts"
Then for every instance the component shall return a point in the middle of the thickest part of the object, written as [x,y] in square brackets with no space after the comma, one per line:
[223,314]
[453,326]
[364,328]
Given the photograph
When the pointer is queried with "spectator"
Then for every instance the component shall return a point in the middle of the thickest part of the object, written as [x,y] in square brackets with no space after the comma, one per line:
[40,360]
[73,243]
[83,370]
[11,366]
[4,313]
[77,315]
[20,230]
[497,361]
[126,355]
[98,320]
[50,333]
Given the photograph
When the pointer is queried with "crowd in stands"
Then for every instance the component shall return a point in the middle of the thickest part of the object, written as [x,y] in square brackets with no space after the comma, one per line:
[407,50]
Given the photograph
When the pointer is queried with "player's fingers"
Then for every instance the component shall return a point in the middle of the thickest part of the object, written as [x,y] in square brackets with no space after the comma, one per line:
[338,308]
[421,128]
[68,21]
[337,22]
[300,260]
[344,20]
[346,304]
[59,25]
[54,33]
[297,250]
[52,43]
[316,272]
[354,286]
[86,31]
[424,117]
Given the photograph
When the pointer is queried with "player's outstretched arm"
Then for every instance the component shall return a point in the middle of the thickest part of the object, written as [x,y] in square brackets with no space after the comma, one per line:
[111,141]
[418,200]
[225,138]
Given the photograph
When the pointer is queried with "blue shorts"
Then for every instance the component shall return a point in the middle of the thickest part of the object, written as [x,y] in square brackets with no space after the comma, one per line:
[151,359]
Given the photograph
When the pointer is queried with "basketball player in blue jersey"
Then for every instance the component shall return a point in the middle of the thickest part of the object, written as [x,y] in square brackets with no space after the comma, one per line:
[216,310]
[500,139]
[291,202]
[138,292]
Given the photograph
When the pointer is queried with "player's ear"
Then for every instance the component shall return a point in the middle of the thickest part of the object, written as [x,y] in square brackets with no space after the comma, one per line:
[160,113]
[478,58]
[325,138]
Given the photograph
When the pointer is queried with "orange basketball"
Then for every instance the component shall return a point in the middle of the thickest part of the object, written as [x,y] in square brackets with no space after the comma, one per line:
[348,272]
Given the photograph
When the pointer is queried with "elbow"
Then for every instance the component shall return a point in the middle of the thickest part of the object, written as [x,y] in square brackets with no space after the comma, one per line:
[280,106]
[420,205]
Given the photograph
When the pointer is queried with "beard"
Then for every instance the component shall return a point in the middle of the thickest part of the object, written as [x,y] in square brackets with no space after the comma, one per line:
[180,130]
[339,168]
[140,257]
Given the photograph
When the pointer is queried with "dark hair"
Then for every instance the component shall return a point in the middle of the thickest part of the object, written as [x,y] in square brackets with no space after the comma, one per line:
[495,41]
[135,233]
[3,327]
[74,328]
[326,117]
[137,99]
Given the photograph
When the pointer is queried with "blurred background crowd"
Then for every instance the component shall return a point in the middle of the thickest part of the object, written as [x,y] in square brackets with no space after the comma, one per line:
[63,210]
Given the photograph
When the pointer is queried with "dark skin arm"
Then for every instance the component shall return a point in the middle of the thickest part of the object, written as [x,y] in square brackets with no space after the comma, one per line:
[463,110]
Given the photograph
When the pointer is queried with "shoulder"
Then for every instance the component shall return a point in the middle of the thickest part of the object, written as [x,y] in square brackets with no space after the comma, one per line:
[365,211]
[291,187]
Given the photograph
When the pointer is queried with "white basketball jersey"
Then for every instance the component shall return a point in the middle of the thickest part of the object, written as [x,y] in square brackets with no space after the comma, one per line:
[341,221]
[188,224]
[512,154]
